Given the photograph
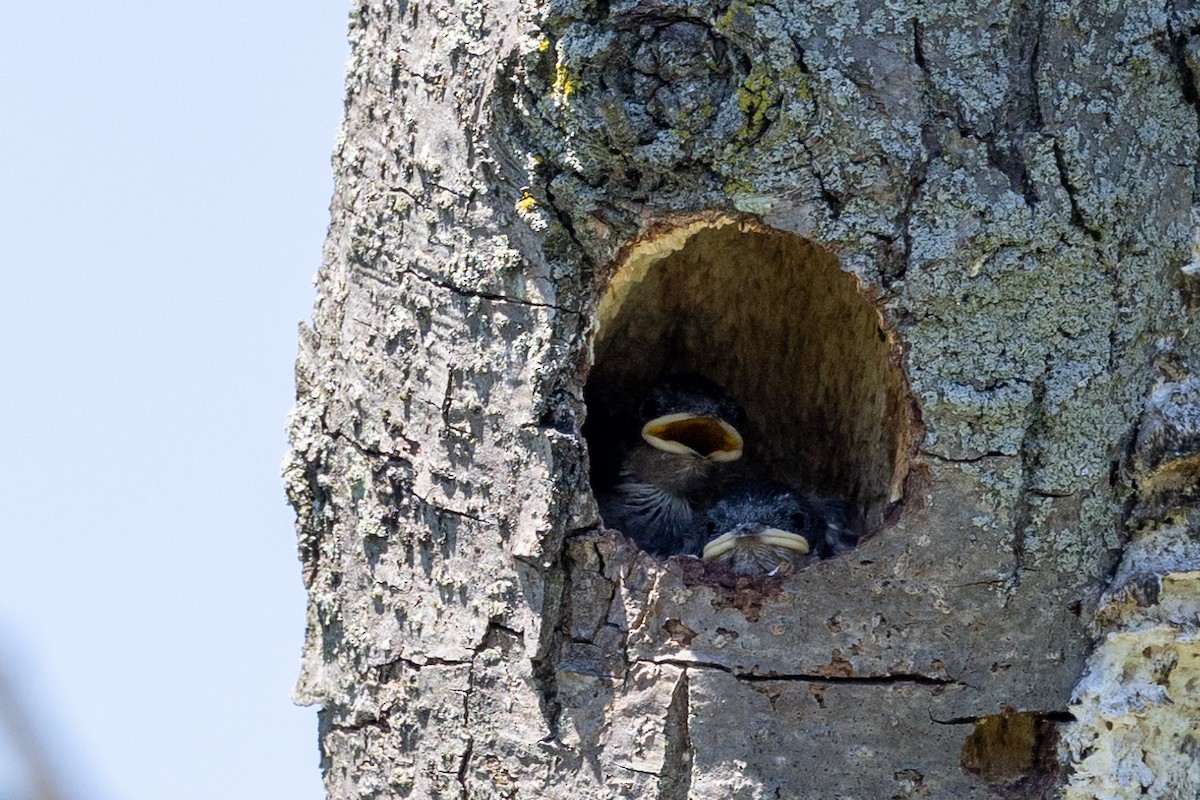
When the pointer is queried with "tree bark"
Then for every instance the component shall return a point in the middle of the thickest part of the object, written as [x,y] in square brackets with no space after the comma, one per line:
[940,252]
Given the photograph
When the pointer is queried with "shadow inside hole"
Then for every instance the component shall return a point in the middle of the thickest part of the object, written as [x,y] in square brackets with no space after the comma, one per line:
[776,322]
[1017,750]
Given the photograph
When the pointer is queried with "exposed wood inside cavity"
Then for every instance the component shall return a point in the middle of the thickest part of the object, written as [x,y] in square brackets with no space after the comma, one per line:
[775,320]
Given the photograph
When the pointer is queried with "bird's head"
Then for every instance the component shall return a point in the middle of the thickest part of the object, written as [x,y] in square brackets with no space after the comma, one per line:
[691,416]
[759,528]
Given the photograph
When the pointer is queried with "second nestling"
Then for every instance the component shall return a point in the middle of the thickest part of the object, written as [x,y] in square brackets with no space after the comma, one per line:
[764,528]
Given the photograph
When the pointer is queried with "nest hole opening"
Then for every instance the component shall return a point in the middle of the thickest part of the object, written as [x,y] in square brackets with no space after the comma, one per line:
[774,320]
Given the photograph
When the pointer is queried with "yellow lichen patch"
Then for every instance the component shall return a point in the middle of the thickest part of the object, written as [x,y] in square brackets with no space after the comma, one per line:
[738,186]
[796,78]
[726,23]
[527,203]
[777,107]
[755,96]
[565,84]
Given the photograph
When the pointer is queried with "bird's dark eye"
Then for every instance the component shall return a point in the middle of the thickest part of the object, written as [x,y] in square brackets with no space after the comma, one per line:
[651,408]
[802,520]
[732,413]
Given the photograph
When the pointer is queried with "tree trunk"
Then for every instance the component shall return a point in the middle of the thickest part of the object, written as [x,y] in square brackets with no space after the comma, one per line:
[935,251]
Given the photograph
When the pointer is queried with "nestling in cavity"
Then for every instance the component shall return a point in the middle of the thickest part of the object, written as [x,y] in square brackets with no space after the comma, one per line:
[764,528]
[670,476]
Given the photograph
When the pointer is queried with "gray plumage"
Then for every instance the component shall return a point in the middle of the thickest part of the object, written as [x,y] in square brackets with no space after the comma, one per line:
[755,517]
[658,500]
[668,477]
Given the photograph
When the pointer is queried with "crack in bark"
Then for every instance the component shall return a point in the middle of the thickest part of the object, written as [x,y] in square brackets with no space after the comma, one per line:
[447,397]
[1003,136]
[543,665]
[443,408]
[1051,495]
[919,45]
[1187,80]
[494,625]
[1053,716]
[916,181]
[806,677]
[430,661]
[420,201]
[1021,110]
[390,459]
[381,723]
[831,200]
[400,67]
[463,764]
[606,601]
[635,770]
[494,297]
[966,460]
[675,781]
[1024,510]
[1064,178]
[545,679]
[995,583]
[644,611]
[564,219]
[469,749]
[915,184]
[405,486]
[1034,64]
[369,327]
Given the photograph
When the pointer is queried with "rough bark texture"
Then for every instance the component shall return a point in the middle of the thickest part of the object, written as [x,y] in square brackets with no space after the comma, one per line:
[1010,187]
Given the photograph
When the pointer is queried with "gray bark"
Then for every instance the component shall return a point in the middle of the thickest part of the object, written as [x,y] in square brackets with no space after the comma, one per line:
[937,249]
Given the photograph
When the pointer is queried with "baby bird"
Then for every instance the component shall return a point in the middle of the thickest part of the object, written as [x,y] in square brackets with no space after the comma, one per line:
[764,528]
[669,476]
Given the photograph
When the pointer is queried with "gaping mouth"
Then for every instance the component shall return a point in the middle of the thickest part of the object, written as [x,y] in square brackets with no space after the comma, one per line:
[683,433]
[771,536]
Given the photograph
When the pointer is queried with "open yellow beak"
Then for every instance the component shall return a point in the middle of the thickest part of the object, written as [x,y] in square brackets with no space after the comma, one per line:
[727,541]
[683,433]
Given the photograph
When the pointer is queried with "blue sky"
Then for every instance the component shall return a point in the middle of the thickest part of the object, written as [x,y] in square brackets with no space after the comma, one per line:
[164,193]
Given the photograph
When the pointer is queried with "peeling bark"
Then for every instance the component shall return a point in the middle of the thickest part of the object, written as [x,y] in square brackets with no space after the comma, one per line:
[997,199]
